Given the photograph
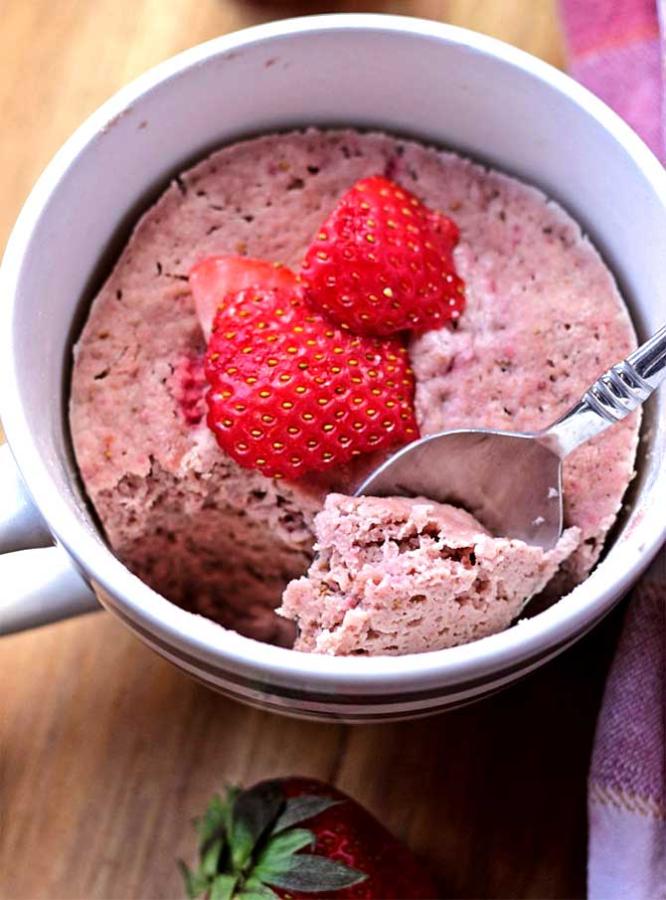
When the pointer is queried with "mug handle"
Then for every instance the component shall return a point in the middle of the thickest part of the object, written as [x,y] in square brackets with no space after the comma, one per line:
[38,582]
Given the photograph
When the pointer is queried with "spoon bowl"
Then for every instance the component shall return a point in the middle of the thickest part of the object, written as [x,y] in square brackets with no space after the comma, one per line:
[512,482]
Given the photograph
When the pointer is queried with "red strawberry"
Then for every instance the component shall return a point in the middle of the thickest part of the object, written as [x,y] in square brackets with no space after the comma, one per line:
[216,276]
[249,848]
[290,392]
[383,262]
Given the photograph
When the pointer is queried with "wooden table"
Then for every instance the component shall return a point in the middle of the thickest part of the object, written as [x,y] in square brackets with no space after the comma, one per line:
[106,752]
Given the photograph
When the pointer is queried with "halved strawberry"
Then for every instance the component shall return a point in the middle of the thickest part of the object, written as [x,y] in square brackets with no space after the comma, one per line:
[290,392]
[216,276]
[383,262]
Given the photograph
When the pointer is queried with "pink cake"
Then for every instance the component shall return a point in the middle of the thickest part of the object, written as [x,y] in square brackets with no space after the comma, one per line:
[543,319]
[394,576]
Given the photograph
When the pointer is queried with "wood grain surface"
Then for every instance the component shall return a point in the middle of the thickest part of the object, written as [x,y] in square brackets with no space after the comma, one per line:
[106,752]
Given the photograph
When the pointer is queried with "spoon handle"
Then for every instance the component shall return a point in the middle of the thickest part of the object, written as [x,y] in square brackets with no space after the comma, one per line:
[619,391]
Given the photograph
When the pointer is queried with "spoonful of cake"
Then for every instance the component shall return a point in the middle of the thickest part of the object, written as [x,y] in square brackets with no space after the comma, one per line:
[512,481]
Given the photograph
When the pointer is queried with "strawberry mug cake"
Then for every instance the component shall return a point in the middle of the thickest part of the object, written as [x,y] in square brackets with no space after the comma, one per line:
[292,310]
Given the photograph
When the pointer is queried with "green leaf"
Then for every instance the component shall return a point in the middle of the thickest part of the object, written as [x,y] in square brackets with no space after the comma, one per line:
[255,890]
[254,812]
[196,884]
[254,895]
[212,823]
[210,857]
[276,855]
[316,874]
[242,845]
[223,888]
[284,845]
[228,806]
[298,809]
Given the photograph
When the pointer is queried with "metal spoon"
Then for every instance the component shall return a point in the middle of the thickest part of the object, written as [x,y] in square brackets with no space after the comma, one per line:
[512,482]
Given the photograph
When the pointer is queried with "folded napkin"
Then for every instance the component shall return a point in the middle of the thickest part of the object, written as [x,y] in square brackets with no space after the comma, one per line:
[616,49]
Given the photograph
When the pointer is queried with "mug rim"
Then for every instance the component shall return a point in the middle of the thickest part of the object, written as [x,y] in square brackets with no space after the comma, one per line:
[206,640]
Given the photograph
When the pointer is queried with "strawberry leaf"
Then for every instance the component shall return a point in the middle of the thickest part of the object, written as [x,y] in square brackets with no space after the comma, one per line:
[298,809]
[212,823]
[196,883]
[210,858]
[254,811]
[255,890]
[276,856]
[252,895]
[228,807]
[315,874]
[222,888]
[257,895]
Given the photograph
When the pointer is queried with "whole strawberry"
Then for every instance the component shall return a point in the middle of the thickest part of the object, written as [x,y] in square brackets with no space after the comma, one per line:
[291,392]
[250,849]
[383,262]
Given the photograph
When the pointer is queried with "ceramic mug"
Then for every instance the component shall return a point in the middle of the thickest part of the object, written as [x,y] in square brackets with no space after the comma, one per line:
[434,82]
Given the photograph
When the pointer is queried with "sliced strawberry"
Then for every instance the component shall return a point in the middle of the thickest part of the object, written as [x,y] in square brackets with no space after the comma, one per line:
[383,262]
[216,276]
[290,392]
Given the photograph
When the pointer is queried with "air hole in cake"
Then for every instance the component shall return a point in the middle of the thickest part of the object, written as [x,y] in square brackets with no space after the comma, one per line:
[482,585]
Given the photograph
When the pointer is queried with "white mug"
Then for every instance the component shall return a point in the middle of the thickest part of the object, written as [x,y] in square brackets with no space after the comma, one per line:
[435,82]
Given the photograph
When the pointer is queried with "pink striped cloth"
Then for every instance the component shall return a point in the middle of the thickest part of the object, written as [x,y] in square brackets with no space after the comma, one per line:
[616,48]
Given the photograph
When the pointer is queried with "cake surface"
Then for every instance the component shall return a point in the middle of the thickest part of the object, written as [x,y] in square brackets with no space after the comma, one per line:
[543,319]
[396,575]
